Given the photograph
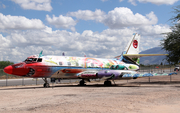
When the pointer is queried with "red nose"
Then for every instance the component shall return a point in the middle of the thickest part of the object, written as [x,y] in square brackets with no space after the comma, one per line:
[8,69]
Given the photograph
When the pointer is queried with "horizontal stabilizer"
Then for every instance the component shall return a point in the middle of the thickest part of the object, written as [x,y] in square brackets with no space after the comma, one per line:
[142,55]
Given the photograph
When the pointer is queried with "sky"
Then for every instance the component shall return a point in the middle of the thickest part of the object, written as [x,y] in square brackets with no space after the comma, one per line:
[95,28]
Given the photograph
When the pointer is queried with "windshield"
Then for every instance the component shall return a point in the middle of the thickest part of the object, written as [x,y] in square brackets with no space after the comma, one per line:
[33,60]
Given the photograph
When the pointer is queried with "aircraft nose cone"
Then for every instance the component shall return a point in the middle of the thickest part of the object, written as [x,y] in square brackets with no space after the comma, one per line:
[8,69]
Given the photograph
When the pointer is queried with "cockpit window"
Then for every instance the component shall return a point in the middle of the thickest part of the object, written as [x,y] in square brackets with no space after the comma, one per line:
[33,60]
[39,60]
[29,60]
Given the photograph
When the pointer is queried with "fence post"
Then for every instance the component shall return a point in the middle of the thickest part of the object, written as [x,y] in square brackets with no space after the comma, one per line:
[170,78]
[6,79]
[23,81]
[36,81]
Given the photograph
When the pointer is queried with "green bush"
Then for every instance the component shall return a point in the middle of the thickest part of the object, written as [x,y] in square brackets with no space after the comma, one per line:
[3,64]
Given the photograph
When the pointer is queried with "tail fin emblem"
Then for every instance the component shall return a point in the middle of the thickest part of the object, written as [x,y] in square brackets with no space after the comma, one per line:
[135,43]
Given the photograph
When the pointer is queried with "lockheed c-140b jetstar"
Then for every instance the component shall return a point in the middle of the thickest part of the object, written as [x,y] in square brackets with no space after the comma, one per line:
[124,66]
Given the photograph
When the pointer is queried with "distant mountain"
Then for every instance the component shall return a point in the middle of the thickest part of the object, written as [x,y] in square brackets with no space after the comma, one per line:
[153,59]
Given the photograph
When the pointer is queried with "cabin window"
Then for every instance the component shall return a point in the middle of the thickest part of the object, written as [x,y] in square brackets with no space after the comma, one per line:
[60,63]
[77,64]
[117,67]
[112,67]
[69,63]
[92,65]
[39,60]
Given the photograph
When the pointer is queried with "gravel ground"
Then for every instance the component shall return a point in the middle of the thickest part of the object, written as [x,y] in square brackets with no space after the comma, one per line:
[132,96]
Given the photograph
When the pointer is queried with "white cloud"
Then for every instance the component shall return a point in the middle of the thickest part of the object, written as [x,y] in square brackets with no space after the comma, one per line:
[155,30]
[133,2]
[106,44]
[97,15]
[31,42]
[124,17]
[61,22]
[157,2]
[44,5]
[4,42]
[118,18]
[19,22]
[3,6]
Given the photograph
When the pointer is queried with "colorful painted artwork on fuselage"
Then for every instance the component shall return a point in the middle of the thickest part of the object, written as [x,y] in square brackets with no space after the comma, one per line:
[64,66]
[84,62]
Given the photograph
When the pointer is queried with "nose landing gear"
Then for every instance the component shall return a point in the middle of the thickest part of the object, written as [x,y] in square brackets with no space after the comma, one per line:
[46,84]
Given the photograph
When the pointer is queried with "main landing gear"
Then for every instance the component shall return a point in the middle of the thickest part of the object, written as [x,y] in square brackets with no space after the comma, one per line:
[82,82]
[46,84]
[107,83]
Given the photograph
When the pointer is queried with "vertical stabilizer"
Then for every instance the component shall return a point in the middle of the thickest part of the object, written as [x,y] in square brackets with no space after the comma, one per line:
[131,49]
[133,45]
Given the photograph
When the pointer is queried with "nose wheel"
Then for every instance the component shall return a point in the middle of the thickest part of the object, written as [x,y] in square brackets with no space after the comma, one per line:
[46,84]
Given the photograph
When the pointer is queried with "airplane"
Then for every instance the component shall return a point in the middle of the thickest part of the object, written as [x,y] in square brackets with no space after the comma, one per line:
[125,66]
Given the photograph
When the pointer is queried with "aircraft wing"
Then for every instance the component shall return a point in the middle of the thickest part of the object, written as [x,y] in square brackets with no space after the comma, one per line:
[139,75]
[123,74]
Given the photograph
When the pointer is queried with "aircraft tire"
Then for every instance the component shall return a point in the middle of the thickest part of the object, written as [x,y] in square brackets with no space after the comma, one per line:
[82,83]
[107,83]
[46,84]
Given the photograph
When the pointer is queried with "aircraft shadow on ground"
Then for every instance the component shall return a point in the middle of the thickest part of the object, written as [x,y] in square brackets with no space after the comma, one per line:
[130,84]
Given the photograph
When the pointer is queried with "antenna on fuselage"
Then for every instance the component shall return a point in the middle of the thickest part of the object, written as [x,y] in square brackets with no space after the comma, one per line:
[40,54]
[63,54]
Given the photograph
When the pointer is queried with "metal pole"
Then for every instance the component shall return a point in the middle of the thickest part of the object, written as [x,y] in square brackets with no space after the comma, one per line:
[6,78]
[170,68]
[23,81]
[170,78]
[36,81]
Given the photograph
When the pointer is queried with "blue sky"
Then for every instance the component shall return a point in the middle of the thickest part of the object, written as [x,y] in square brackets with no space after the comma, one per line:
[97,28]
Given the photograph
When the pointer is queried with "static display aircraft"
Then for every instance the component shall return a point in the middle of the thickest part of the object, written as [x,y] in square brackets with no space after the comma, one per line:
[124,66]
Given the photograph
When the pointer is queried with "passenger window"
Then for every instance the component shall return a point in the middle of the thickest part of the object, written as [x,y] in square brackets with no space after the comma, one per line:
[69,63]
[39,60]
[92,65]
[77,64]
[60,63]
[117,67]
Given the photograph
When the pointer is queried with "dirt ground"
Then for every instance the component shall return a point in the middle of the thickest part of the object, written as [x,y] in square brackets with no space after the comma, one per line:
[132,96]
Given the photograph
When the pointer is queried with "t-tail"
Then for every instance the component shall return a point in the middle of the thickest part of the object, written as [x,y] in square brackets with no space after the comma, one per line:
[131,53]
[132,48]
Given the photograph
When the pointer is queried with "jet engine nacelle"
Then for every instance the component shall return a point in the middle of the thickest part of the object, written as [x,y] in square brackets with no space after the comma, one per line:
[118,67]
[87,74]
[124,67]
